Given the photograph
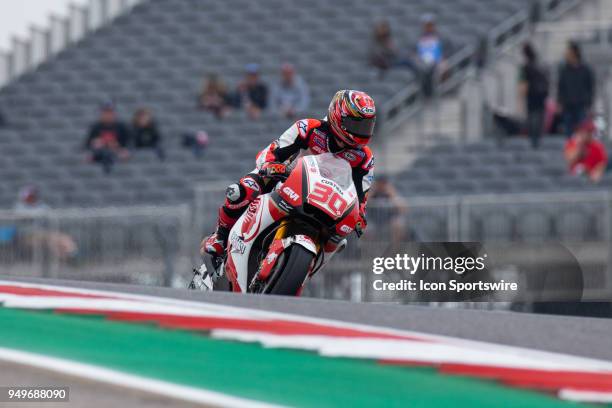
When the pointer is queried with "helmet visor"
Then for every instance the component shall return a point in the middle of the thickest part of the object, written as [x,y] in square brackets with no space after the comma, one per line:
[359,127]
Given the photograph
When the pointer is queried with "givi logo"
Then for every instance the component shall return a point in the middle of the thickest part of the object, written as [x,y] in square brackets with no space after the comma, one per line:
[293,196]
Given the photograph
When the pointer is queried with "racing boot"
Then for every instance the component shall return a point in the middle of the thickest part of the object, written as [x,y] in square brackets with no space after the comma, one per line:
[237,198]
[216,243]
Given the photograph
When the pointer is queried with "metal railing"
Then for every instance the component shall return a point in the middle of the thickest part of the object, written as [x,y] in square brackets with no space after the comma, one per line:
[524,231]
[550,40]
[461,217]
[498,83]
[62,31]
[581,222]
[126,244]
[159,245]
[408,103]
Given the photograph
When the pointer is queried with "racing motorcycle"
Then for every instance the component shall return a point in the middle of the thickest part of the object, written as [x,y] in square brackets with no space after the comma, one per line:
[289,234]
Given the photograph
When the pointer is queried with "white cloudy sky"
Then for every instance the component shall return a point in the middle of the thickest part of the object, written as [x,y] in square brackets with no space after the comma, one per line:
[16,16]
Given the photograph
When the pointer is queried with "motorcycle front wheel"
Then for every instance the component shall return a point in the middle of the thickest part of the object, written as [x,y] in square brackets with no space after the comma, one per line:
[290,273]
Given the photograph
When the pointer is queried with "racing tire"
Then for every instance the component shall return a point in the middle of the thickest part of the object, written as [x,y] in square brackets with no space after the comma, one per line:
[288,279]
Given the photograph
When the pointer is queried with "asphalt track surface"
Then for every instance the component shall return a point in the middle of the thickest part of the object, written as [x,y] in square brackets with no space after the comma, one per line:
[581,336]
[587,337]
[82,393]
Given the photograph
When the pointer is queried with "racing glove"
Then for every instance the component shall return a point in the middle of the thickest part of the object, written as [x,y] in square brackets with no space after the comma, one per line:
[361,221]
[274,170]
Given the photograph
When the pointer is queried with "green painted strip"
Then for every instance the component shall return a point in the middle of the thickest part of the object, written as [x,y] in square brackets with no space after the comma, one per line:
[247,370]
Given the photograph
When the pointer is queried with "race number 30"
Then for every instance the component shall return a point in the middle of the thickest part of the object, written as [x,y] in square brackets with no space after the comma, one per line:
[327,199]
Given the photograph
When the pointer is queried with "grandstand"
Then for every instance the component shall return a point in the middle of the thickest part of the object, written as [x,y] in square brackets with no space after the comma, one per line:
[487,167]
[474,187]
[157,54]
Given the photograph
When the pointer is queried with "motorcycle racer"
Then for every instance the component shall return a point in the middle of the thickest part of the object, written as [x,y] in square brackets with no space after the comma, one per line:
[345,132]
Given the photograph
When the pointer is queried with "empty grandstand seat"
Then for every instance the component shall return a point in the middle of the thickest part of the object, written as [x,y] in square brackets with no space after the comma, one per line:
[494,186]
[443,174]
[516,145]
[535,184]
[518,171]
[533,225]
[495,226]
[574,225]
[423,188]
[460,187]
[151,57]
[429,228]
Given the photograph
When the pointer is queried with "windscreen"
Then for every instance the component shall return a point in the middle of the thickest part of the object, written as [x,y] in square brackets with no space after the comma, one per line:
[335,169]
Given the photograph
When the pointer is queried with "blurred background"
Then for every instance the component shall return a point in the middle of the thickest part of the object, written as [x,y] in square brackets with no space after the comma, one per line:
[122,121]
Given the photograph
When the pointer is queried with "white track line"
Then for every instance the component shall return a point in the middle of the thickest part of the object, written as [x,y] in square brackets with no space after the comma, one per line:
[487,353]
[586,396]
[580,363]
[121,379]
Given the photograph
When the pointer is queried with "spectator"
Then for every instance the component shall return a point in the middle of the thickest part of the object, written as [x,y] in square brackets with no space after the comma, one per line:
[145,133]
[197,142]
[430,49]
[107,139]
[253,93]
[533,90]
[575,89]
[389,209]
[290,97]
[58,244]
[382,52]
[586,155]
[29,203]
[214,97]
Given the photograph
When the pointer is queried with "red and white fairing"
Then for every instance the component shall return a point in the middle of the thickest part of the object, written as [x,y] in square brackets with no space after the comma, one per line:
[323,181]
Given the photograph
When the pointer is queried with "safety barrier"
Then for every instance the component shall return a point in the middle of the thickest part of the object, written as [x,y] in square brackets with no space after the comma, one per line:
[580,222]
[136,244]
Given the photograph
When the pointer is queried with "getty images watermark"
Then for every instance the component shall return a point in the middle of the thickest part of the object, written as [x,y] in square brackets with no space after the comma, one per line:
[422,264]
[468,271]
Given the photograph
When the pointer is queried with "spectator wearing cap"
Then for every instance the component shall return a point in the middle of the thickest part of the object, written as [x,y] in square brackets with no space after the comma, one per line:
[585,154]
[108,139]
[290,97]
[253,92]
[430,54]
[575,88]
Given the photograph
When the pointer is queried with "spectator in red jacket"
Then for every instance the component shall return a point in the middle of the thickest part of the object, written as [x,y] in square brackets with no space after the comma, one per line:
[585,154]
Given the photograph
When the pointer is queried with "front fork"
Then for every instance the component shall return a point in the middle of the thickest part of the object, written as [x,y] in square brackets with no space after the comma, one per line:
[281,241]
